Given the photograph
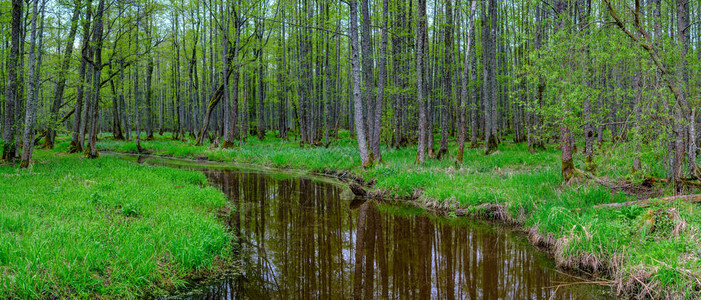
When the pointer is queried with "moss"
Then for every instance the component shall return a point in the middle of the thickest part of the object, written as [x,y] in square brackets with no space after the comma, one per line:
[492,145]
[568,169]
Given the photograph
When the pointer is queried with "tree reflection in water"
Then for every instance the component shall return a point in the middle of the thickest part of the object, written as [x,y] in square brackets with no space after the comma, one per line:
[300,240]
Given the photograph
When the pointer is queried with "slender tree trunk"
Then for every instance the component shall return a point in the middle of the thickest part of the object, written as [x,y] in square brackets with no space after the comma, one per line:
[586,105]
[32,101]
[282,75]
[565,134]
[368,75]
[261,92]
[689,113]
[382,80]
[357,102]
[464,88]
[97,60]
[638,86]
[447,79]
[137,90]
[149,101]
[235,69]
[11,89]
[76,144]
[116,112]
[421,149]
[61,81]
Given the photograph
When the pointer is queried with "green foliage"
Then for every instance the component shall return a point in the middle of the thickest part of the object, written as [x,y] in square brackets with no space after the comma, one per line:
[82,228]
[528,184]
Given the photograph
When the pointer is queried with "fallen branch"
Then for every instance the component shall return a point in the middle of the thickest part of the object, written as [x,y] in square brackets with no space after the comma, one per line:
[597,179]
[696,198]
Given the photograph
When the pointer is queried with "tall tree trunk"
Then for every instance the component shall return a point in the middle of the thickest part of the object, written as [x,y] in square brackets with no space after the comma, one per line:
[464,88]
[76,144]
[491,117]
[327,84]
[421,149]
[566,139]
[116,112]
[11,89]
[638,86]
[368,74]
[382,80]
[689,114]
[137,90]
[261,92]
[149,101]
[91,151]
[357,101]
[282,77]
[447,78]
[234,52]
[61,80]
[32,101]
[584,9]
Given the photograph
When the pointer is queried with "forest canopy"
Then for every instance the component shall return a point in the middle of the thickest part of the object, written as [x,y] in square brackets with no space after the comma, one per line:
[392,72]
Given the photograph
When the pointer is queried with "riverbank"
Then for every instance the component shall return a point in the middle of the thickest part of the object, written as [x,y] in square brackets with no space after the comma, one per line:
[72,227]
[639,251]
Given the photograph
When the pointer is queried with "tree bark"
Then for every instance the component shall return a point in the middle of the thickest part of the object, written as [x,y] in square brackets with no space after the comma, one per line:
[91,151]
[357,101]
[421,149]
[462,127]
[566,139]
[447,78]
[61,84]
[261,91]
[32,99]
[491,118]
[382,80]
[76,144]
[11,93]
[368,75]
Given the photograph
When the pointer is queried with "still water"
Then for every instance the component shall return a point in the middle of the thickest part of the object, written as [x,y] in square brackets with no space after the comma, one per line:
[307,239]
[303,238]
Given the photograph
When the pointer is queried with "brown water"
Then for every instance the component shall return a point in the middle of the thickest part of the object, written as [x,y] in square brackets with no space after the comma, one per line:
[303,239]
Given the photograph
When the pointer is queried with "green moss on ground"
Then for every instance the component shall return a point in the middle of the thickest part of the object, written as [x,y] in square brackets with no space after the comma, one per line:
[72,227]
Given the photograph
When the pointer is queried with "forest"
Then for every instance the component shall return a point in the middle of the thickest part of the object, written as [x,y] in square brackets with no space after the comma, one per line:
[573,121]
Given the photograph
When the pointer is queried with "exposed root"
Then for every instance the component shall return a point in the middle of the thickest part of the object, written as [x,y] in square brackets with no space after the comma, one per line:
[492,212]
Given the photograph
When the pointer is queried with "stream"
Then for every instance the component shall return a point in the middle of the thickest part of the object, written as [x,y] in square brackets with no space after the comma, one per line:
[308,238]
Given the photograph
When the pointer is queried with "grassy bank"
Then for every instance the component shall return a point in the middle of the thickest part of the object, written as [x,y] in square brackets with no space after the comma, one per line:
[646,252]
[72,227]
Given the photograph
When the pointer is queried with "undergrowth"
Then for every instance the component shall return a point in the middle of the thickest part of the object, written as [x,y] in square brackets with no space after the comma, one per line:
[612,243]
[72,227]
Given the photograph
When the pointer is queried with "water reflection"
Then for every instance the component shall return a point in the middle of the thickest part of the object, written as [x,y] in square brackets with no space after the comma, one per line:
[300,240]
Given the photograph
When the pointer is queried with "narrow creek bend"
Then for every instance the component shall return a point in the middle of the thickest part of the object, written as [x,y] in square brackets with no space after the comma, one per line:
[302,238]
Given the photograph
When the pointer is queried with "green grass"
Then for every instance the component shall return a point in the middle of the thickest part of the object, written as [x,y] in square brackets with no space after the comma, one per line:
[528,185]
[72,227]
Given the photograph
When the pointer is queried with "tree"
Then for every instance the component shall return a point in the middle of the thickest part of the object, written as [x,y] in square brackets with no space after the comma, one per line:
[11,93]
[61,84]
[31,109]
[423,134]
[462,127]
[357,102]
[382,81]
[447,78]
[77,135]
[490,74]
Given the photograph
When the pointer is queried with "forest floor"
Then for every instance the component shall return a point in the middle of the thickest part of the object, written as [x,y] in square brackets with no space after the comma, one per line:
[638,251]
[72,227]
